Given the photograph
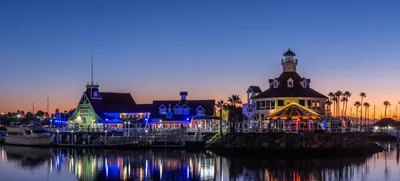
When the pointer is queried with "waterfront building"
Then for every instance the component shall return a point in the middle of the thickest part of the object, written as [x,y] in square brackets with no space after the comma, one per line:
[386,124]
[107,110]
[193,115]
[288,102]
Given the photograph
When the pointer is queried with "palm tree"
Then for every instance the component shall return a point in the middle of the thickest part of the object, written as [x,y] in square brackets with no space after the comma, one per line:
[344,100]
[234,113]
[328,104]
[338,94]
[386,104]
[362,95]
[335,102]
[347,94]
[235,100]
[220,105]
[357,104]
[331,96]
[366,105]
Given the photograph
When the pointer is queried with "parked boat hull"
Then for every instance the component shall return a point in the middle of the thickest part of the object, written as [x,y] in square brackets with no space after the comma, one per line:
[29,141]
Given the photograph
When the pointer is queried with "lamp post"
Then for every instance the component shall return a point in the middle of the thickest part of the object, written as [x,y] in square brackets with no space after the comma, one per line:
[129,129]
[105,136]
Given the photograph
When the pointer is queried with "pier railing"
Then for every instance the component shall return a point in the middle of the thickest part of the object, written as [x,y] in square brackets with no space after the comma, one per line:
[131,132]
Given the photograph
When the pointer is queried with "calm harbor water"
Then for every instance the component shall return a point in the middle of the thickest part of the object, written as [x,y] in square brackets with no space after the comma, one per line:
[45,164]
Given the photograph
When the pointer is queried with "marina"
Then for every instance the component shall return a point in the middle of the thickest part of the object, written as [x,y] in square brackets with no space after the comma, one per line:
[199,90]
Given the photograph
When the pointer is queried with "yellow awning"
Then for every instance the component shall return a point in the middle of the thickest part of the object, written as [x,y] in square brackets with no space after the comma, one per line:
[293,111]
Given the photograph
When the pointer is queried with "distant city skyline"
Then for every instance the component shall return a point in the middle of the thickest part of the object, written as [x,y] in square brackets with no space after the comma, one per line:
[212,49]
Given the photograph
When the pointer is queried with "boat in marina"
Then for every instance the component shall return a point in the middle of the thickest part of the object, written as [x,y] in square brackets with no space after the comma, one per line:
[32,134]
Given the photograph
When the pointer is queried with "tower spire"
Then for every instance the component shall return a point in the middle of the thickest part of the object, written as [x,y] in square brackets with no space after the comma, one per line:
[92,68]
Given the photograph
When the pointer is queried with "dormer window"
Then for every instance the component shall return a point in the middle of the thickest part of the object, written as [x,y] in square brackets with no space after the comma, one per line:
[162,110]
[276,84]
[177,109]
[185,109]
[290,83]
[200,111]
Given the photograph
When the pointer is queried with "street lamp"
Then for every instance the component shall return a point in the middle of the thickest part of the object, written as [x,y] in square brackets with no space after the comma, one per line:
[18,117]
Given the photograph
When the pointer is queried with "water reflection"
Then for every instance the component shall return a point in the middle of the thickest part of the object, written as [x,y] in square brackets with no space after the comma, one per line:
[18,163]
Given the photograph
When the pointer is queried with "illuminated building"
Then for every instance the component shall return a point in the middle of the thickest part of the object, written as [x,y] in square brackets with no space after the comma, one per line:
[196,115]
[289,97]
[97,110]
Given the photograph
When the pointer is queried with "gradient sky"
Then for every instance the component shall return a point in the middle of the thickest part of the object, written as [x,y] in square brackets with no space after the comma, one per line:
[154,49]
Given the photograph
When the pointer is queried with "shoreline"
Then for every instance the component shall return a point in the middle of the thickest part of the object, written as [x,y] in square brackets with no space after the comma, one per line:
[288,145]
[267,145]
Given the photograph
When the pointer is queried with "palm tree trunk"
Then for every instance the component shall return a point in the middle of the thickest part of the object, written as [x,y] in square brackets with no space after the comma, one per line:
[334,108]
[361,110]
[220,122]
[365,118]
[357,112]
[343,109]
[385,110]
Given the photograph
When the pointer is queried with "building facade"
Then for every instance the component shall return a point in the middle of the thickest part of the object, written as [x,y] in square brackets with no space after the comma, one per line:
[289,94]
[192,115]
[100,111]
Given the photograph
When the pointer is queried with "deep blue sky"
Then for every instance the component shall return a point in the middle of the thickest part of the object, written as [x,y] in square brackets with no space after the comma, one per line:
[211,48]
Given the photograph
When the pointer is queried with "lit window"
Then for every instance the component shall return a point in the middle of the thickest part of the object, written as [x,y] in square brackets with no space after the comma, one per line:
[290,83]
[185,111]
[200,112]
[163,111]
[276,84]
[262,104]
[309,104]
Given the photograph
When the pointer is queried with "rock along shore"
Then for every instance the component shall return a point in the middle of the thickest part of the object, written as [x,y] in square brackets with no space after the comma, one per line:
[288,144]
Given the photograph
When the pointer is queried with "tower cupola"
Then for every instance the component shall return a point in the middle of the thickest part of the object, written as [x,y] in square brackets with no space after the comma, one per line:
[93,89]
[289,61]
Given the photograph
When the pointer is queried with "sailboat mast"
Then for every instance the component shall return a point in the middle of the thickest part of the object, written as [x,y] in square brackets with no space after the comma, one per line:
[33,110]
[48,106]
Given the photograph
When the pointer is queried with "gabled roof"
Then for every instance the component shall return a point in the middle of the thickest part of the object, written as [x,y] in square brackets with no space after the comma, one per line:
[208,105]
[293,111]
[387,122]
[255,89]
[284,91]
[116,103]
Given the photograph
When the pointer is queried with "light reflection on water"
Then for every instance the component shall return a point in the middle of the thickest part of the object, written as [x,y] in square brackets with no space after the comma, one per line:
[27,163]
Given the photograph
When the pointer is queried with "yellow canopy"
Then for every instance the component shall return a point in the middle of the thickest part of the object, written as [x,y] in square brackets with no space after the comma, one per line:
[293,111]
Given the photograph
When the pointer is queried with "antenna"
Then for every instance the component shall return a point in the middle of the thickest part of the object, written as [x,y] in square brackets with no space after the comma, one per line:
[92,69]
[33,107]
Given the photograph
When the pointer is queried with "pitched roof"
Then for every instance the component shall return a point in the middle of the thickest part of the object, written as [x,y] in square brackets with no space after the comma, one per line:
[387,122]
[284,91]
[294,111]
[116,102]
[208,105]
[289,53]
[255,89]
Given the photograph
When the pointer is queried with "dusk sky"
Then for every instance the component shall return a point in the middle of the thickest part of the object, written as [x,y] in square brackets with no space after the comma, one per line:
[210,48]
